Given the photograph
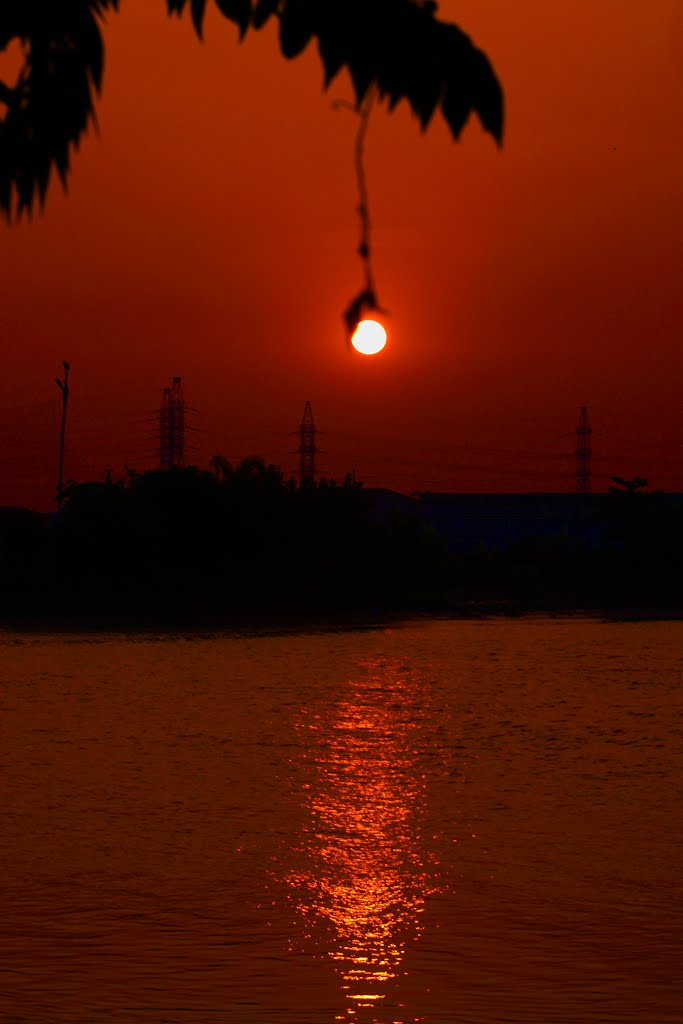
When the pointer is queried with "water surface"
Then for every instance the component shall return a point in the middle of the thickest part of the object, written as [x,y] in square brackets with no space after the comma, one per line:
[438,822]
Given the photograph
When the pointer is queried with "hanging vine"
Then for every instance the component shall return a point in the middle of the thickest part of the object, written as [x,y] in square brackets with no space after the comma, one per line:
[366,299]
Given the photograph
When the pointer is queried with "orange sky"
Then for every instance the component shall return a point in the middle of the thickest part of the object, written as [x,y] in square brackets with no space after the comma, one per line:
[210,232]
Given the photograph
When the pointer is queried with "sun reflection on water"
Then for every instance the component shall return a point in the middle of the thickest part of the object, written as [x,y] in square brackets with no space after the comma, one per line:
[364,871]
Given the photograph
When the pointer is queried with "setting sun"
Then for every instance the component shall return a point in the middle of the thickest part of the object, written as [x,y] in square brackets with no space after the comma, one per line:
[369,338]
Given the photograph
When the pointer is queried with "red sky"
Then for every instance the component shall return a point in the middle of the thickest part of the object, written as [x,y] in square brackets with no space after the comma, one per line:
[210,232]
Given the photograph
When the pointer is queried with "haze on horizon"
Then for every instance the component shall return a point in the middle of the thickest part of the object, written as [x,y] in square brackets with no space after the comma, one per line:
[210,231]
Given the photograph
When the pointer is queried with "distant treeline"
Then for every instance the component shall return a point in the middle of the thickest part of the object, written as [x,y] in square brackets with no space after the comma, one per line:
[188,542]
[244,543]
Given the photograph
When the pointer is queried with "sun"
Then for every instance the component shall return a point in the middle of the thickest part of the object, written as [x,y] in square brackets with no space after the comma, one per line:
[369,338]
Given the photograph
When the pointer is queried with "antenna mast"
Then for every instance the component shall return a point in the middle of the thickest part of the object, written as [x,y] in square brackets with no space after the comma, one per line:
[307,447]
[583,453]
[63,386]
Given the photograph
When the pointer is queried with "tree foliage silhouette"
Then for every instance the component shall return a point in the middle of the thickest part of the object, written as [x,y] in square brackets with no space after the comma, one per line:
[399,47]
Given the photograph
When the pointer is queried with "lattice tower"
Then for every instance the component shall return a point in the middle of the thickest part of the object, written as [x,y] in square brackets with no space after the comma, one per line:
[172,427]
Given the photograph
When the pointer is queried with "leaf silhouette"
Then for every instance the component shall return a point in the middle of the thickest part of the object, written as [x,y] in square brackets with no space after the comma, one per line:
[51,104]
[263,10]
[198,12]
[332,53]
[364,302]
[295,27]
[238,11]
[176,6]
[399,46]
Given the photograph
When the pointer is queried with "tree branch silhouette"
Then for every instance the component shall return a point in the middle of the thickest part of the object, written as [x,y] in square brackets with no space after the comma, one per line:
[363,202]
[366,300]
[399,47]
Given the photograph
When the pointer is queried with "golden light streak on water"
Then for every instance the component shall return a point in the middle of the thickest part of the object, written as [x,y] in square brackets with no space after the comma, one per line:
[368,874]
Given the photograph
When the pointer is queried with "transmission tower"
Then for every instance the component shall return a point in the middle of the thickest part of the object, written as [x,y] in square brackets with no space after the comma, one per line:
[172,427]
[307,447]
[583,453]
[63,385]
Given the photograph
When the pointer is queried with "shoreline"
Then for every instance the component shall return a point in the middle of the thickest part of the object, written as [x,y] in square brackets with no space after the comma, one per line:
[302,620]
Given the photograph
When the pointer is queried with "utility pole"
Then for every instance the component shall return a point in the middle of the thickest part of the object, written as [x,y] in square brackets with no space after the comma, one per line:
[63,386]
[307,447]
[583,453]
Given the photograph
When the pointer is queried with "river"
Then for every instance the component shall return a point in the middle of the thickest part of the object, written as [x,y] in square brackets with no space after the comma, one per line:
[449,822]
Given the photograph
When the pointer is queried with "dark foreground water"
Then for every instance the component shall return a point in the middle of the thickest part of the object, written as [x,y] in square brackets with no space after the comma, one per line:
[446,822]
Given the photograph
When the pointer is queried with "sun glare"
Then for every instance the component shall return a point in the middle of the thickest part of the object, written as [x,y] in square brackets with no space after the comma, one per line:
[369,338]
